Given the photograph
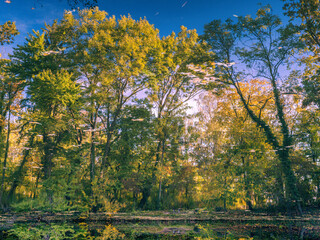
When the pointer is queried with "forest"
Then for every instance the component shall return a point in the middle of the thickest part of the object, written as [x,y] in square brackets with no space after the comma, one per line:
[95,116]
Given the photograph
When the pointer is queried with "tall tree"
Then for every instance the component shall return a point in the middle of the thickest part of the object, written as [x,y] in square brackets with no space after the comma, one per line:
[170,87]
[9,89]
[51,92]
[112,57]
[270,47]
[230,150]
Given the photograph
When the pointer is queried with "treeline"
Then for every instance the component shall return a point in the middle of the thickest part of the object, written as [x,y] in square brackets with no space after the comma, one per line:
[94,114]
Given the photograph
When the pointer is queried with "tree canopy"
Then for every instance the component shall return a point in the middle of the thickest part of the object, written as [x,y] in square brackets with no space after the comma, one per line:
[94,114]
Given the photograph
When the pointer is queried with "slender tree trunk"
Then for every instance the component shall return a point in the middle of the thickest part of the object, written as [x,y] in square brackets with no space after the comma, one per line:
[107,148]
[159,194]
[318,188]
[146,191]
[187,196]
[93,120]
[5,157]
[280,189]
[225,197]
[17,175]
[160,180]
[246,183]
[47,165]
[36,185]
[110,130]
[92,158]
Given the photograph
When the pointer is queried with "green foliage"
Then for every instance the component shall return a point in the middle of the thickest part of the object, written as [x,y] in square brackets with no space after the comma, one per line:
[271,48]
[49,90]
[104,124]
[7,32]
[52,231]
[308,15]
[110,233]
[41,204]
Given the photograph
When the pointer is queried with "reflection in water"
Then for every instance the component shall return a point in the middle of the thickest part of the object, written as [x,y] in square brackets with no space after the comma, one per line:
[49,231]
[153,231]
[62,231]
[110,232]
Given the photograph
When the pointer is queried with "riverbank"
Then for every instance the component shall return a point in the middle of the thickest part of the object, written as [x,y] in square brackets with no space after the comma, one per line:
[183,223]
[162,216]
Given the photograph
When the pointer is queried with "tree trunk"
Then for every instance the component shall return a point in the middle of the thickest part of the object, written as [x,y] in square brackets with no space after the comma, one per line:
[47,165]
[146,191]
[5,158]
[106,152]
[282,151]
[160,180]
[246,184]
[290,180]
[280,188]
[159,194]
[92,158]
[36,186]
[17,175]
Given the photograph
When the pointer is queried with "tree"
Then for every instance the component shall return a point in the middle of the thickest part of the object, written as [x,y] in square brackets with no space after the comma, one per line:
[117,60]
[230,150]
[112,56]
[8,31]
[307,12]
[51,92]
[9,90]
[113,61]
[170,87]
[132,152]
[306,15]
[119,63]
[270,47]
[307,151]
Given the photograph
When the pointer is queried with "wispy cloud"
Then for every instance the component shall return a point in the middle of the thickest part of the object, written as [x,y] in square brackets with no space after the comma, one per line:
[184,4]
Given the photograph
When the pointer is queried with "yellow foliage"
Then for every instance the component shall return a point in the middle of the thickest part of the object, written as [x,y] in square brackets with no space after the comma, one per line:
[110,232]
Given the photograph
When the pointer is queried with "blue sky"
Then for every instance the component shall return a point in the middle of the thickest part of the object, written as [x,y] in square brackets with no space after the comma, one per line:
[166,15]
